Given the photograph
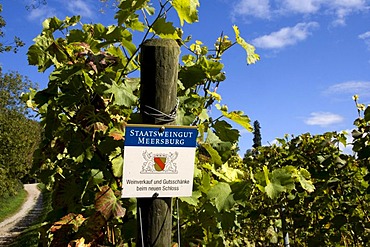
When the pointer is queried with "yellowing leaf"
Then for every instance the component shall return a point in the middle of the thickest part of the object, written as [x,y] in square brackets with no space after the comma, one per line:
[107,203]
[186,10]
[215,95]
[252,57]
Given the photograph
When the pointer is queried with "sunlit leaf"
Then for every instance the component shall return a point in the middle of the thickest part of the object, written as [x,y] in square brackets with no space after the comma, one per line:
[186,10]
[216,158]
[237,116]
[116,158]
[252,57]
[166,30]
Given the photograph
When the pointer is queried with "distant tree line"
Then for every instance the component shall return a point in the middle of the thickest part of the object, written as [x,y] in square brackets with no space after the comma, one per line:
[19,135]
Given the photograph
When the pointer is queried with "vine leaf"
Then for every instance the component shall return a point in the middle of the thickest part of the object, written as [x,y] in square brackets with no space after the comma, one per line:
[303,178]
[236,116]
[220,195]
[122,94]
[117,162]
[216,158]
[108,204]
[193,200]
[166,30]
[128,8]
[186,10]
[252,57]
[280,180]
[71,219]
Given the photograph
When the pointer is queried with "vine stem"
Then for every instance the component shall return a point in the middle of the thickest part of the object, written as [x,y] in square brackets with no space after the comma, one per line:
[160,14]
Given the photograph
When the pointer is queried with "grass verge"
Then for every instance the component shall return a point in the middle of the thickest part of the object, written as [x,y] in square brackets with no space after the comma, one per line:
[11,205]
[30,237]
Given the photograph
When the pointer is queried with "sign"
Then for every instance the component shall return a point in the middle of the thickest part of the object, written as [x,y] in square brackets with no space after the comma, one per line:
[158,161]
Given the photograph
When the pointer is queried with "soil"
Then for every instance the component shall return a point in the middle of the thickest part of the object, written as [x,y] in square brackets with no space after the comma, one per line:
[11,227]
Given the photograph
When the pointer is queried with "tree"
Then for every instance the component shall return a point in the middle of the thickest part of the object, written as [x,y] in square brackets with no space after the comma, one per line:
[19,136]
[257,139]
[17,42]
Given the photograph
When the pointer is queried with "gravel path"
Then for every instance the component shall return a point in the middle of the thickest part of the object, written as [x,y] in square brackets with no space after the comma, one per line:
[11,227]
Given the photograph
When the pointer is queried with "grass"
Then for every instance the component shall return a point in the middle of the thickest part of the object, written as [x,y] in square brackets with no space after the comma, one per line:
[9,206]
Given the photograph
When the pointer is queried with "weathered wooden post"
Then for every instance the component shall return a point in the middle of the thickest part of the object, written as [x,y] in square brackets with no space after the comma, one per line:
[158,99]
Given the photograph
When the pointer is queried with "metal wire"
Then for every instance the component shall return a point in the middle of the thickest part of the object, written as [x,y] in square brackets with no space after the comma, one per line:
[141,228]
[159,115]
[178,222]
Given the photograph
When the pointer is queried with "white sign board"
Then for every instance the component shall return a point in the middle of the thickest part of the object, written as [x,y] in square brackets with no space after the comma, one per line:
[158,161]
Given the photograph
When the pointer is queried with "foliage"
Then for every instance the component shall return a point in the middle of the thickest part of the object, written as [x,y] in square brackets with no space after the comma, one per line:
[19,136]
[334,212]
[12,86]
[89,100]
[320,192]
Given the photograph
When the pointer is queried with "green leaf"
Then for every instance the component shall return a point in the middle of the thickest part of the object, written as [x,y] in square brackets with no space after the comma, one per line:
[52,24]
[303,178]
[128,8]
[116,159]
[367,114]
[108,204]
[166,30]
[252,57]
[123,96]
[221,197]
[236,116]
[186,10]
[280,180]
[88,81]
[212,69]
[216,158]
[134,23]
[97,176]
[225,131]
[191,76]
[193,199]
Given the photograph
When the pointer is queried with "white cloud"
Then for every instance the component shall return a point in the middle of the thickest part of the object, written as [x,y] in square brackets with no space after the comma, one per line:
[80,7]
[366,38]
[361,88]
[285,36]
[305,7]
[267,9]
[323,119]
[41,13]
[257,8]
[348,3]
[364,35]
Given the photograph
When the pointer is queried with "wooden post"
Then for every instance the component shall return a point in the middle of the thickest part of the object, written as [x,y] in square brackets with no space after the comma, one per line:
[159,69]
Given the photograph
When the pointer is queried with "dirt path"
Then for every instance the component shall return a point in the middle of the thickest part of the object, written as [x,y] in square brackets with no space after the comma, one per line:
[11,227]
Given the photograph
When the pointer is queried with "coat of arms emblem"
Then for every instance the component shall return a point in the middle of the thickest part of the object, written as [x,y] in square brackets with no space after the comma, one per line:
[159,163]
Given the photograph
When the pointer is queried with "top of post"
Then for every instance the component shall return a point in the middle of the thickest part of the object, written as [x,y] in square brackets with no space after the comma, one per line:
[160,42]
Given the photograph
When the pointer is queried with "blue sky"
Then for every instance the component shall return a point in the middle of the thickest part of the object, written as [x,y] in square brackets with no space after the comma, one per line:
[315,55]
